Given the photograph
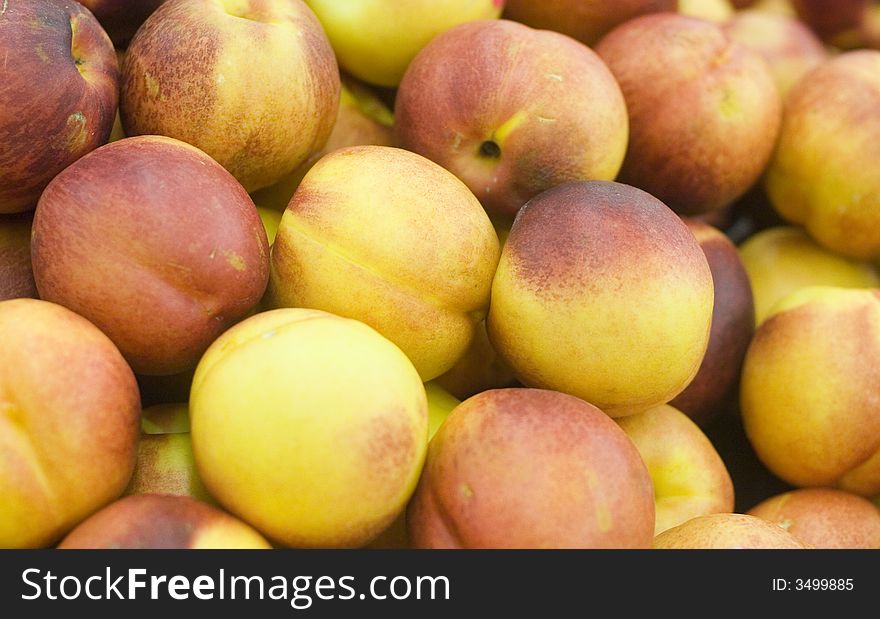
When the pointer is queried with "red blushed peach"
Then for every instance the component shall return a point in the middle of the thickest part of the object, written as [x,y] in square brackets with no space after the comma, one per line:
[512,111]
[703,109]
[788,46]
[527,468]
[584,20]
[253,83]
[824,518]
[603,293]
[733,321]
[16,274]
[186,254]
[58,94]
[121,18]
[161,521]
[68,422]
[727,532]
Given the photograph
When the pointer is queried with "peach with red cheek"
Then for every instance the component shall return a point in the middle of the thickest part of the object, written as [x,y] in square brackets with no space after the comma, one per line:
[809,388]
[68,422]
[526,468]
[252,83]
[512,111]
[727,532]
[824,518]
[704,111]
[185,258]
[159,521]
[59,94]
[603,293]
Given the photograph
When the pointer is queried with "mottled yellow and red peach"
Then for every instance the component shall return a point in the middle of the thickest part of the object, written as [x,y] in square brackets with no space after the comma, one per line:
[69,412]
[158,521]
[527,468]
[727,532]
[185,257]
[512,111]
[824,518]
[253,83]
[704,111]
[617,313]
[58,96]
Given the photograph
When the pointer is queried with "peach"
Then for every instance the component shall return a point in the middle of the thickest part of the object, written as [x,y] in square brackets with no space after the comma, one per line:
[185,257]
[688,475]
[818,177]
[420,273]
[16,274]
[156,521]
[363,119]
[165,462]
[733,321]
[584,20]
[68,422]
[333,435]
[789,47]
[810,383]
[527,468]
[375,40]
[252,83]
[58,98]
[727,532]
[704,111]
[602,292]
[784,259]
[512,111]
[824,518]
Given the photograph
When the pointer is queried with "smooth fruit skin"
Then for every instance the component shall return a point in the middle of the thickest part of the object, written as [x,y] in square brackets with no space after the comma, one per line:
[602,292]
[69,412]
[784,259]
[824,518]
[388,237]
[584,20]
[733,322]
[283,445]
[688,475]
[440,404]
[158,521]
[375,40]
[512,111]
[704,111]
[818,177]
[810,383]
[165,462]
[727,532]
[52,52]
[252,83]
[789,47]
[186,255]
[527,468]
[837,22]
[16,274]
[718,11]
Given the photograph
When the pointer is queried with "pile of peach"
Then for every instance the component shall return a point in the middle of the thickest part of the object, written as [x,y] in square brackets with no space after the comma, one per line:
[532,274]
